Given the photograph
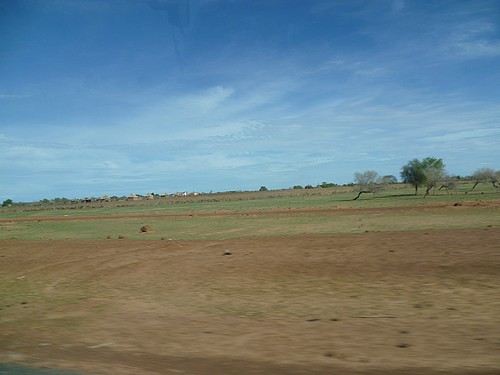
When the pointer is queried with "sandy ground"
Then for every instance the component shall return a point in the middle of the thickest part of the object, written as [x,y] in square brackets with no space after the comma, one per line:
[373,303]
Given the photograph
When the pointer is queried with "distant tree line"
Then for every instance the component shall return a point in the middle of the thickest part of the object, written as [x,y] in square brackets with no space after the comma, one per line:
[323,185]
[428,173]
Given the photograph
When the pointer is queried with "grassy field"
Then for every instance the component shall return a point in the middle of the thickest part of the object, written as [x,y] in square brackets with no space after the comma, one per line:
[394,195]
[241,215]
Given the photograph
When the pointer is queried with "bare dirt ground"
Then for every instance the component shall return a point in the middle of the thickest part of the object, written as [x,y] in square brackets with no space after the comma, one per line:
[373,303]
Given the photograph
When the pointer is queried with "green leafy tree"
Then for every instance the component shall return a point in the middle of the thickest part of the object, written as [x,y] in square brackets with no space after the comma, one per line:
[326,185]
[7,203]
[426,172]
[413,173]
[434,173]
[263,188]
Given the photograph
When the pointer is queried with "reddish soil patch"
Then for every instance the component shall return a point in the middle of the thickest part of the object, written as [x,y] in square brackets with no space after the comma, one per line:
[374,303]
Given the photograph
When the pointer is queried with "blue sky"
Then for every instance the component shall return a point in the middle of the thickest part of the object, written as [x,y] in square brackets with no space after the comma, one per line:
[120,96]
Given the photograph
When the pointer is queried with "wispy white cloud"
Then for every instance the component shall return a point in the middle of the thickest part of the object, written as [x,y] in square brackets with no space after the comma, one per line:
[13,96]
[207,100]
[477,48]
[474,40]
[464,136]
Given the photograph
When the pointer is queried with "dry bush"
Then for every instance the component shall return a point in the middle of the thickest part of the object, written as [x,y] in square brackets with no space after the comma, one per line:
[145,229]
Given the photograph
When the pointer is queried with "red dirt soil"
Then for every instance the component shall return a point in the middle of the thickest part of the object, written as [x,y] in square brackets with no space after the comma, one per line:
[373,303]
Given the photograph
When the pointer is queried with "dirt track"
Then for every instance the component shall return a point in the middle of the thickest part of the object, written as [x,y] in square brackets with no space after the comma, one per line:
[376,303]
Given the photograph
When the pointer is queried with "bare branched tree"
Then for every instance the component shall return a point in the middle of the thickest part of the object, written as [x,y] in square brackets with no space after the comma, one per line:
[494,179]
[367,182]
[448,183]
[433,178]
[484,175]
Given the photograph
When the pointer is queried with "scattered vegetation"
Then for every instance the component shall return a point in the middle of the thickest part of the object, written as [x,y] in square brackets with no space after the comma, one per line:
[428,172]
[267,213]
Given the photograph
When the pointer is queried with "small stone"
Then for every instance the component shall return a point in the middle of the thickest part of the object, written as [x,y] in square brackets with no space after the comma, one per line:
[329,354]
[403,345]
[227,252]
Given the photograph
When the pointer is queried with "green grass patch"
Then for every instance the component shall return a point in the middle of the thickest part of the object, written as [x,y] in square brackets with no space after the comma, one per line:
[189,219]
[244,226]
[392,196]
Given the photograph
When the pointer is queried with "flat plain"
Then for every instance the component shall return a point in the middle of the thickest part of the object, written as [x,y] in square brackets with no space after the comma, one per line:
[271,283]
